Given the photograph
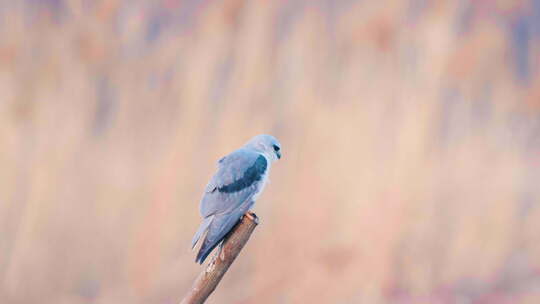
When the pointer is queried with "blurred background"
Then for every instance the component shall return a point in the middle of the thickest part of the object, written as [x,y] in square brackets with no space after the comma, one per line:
[410,133]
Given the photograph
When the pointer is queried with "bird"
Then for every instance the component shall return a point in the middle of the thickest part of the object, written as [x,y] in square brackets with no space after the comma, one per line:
[240,178]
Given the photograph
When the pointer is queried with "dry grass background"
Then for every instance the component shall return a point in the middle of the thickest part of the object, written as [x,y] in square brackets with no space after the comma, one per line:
[410,132]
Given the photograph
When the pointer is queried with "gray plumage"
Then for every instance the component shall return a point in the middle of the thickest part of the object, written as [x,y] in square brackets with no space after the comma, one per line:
[233,190]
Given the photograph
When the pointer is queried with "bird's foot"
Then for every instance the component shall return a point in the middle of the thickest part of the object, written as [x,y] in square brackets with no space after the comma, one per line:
[252,216]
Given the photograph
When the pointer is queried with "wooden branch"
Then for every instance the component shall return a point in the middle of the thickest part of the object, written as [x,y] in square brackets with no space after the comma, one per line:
[234,242]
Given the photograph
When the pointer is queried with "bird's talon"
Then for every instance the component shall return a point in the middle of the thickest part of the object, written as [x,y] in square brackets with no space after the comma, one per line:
[252,216]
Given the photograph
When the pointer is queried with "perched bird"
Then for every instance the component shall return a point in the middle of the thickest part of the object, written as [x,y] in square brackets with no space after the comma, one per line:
[233,190]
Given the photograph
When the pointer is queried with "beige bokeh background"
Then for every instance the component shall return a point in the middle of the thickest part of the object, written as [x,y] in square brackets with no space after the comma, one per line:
[410,133]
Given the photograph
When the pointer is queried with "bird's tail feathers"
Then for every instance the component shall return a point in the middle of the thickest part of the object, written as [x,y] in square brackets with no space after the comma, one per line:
[219,227]
[202,229]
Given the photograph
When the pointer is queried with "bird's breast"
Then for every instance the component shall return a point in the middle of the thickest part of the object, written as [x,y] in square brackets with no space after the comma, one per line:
[261,186]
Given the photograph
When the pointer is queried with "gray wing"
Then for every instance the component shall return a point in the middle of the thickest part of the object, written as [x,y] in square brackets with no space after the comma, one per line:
[228,196]
[238,177]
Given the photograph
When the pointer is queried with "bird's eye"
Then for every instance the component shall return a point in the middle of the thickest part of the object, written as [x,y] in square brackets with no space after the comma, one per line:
[276,148]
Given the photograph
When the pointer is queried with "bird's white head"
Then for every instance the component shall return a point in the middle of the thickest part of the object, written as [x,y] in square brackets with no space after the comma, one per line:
[267,145]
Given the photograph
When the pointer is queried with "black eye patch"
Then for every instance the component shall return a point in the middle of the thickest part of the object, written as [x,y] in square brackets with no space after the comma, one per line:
[276,148]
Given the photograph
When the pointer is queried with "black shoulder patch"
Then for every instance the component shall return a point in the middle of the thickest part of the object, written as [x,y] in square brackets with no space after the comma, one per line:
[252,175]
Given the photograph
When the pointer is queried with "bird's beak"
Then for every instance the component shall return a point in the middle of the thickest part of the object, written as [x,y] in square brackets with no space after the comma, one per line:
[278,153]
